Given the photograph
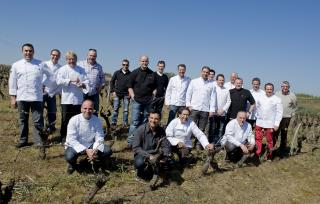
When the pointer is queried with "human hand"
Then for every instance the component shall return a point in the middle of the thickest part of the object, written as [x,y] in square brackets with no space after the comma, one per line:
[244,149]
[13,102]
[210,147]
[181,145]
[153,159]
[91,154]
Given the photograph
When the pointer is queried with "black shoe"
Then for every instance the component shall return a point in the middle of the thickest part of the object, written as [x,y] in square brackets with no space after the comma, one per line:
[70,169]
[20,145]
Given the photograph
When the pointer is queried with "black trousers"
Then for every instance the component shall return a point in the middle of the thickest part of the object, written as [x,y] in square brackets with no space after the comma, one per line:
[67,111]
[283,130]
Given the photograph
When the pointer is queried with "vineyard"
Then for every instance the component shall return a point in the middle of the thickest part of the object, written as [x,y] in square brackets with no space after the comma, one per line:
[294,179]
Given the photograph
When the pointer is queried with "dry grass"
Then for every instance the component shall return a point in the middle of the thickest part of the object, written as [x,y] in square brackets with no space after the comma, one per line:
[292,180]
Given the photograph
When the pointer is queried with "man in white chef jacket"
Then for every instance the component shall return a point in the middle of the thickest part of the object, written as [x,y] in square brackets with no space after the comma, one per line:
[25,90]
[238,138]
[85,135]
[269,114]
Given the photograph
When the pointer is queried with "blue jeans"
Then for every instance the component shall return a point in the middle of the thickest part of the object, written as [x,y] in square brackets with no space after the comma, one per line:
[116,106]
[71,155]
[216,128]
[51,110]
[139,116]
[37,118]
[173,112]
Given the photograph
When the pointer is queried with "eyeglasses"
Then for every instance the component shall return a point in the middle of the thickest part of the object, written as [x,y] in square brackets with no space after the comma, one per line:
[125,65]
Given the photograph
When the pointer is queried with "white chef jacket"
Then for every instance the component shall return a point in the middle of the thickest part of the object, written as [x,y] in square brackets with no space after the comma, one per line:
[201,95]
[26,80]
[237,134]
[83,133]
[223,98]
[176,91]
[72,94]
[54,88]
[269,111]
[181,132]
[256,95]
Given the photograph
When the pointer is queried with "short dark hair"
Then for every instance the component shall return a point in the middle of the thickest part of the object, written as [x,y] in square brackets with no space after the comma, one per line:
[212,70]
[155,112]
[181,109]
[161,62]
[27,45]
[55,50]
[92,49]
[126,60]
[182,65]
[269,84]
[205,67]
[219,75]
[256,79]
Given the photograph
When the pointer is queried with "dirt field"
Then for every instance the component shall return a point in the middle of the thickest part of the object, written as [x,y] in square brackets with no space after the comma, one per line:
[291,180]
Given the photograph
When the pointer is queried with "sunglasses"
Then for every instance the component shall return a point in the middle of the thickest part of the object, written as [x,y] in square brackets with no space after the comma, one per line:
[126,65]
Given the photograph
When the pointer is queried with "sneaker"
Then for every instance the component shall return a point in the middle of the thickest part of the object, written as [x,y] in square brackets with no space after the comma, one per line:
[20,145]
[70,169]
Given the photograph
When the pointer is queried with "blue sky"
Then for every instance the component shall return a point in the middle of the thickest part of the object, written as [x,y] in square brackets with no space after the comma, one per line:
[275,40]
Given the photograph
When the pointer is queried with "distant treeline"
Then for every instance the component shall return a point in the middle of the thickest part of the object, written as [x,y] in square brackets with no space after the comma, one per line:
[307,96]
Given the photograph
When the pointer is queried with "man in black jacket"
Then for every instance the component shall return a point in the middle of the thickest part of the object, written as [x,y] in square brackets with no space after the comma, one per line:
[141,87]
[119,90]
[147,138]
[239,99]
[162,83]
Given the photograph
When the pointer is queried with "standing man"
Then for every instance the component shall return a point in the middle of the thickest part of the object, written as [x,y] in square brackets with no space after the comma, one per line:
[269,114]
[95,75]
[211,75]
[119,90]
[26,92]
[256,92]
[141,88]
[289,103]
[175,96]
[85,134]
[162,83]
[50,98]
[217,123]
[231,84]
[201,100]
[239,99]
[74,83]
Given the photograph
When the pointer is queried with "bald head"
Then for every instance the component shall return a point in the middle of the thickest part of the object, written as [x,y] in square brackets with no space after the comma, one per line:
[144,61]
[241,117]
[233,77]
[87,109]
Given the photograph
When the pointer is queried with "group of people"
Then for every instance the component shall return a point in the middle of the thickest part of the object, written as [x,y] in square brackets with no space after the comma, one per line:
[236,118]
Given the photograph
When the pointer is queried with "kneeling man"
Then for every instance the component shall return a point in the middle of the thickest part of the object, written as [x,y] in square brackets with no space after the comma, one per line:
[238,139]
[85,135]
[179,132]
[147,137]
